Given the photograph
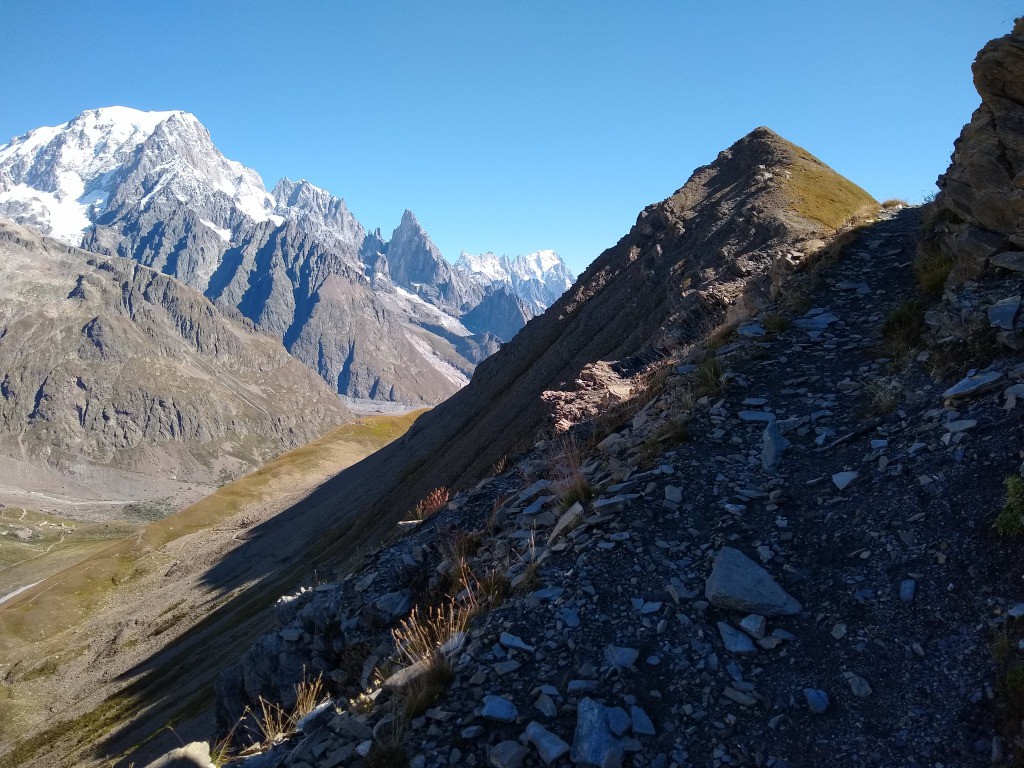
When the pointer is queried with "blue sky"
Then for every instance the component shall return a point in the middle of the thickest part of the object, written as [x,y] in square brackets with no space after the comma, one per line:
[514,126]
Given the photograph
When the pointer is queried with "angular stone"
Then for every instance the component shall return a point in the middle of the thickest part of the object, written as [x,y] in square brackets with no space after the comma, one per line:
[614,504]
[756,416]
[1011,260]
[642,725]
[817,701]
[858,685]
[618,721]
[617,656]
[1003,313]
[569,518]
[546,706]
[737,583]
[735,641]
[745,699]
[499,709]
[960,425]
[549,746]
[816,323]
[842,480]
[773,444]
[754,625]
[511,641]
[673,493]
[537,506]
[507,754]
[908,588]
[593,745]
[394,605]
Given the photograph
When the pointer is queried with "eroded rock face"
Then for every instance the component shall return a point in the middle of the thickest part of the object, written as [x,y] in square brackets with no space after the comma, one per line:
[981,203]
[100,356]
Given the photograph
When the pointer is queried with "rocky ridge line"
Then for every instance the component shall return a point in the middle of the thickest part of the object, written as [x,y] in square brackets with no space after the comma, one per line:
[790,585]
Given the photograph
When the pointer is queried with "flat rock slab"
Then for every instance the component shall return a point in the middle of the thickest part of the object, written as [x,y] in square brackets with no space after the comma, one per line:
[1011,260]
[973,384]
[757,416]
[737,583]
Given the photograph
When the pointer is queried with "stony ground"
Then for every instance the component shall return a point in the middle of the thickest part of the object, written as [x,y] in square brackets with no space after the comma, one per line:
[772,575]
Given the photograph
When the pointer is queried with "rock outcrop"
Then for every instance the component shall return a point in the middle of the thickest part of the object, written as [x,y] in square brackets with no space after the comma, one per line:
[981,198]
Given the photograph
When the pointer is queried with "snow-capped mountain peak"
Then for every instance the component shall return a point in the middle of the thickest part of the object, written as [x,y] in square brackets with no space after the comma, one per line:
[539,278]
[486,266]
[59,179]
[539,265]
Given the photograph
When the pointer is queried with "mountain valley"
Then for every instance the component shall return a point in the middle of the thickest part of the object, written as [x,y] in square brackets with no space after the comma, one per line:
[747,492]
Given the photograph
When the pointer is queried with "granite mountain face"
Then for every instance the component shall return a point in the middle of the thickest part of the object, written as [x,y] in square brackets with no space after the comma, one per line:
[377,320]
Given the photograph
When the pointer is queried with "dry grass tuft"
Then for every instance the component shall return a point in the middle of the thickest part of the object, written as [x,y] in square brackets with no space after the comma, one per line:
[566,470]
[882,396]
[274,723]
[894,202]
[431,504]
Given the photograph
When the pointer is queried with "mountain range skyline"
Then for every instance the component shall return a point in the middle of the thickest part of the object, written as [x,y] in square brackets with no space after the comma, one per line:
[383,321]
[502,128]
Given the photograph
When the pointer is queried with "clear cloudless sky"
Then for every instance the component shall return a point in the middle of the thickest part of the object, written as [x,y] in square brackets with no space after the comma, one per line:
[518,125]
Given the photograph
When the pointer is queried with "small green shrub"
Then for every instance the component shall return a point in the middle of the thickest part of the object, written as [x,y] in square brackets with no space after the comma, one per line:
[777,323]
[709,377]
[1010,521]
[932,267]
[902,331]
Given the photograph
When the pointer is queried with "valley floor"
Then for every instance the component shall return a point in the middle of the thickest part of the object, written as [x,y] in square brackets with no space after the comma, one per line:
[81,650]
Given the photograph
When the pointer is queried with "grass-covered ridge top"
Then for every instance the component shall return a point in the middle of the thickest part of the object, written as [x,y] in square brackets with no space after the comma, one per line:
[818,193]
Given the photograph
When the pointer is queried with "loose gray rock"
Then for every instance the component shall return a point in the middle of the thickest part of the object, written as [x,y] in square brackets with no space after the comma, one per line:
[973,384]
[908,588]
[619,657]
[194,755]
[1002,314]
[499,709]
[858,685]
[507,754]
[549,746]
[735,641]
[642,725]
[737,583]
[754,625]
[773,444]
[817,700]
[842,480]
[593,745]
